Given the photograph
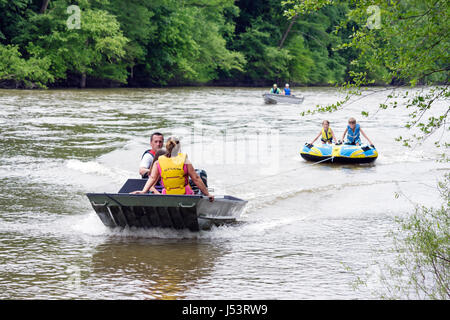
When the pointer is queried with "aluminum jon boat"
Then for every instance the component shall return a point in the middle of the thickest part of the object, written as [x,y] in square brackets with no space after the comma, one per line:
[271,98]
[146,211]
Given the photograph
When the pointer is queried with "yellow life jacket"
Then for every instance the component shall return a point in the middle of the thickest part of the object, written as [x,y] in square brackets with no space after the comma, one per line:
[327,136]
[172,173]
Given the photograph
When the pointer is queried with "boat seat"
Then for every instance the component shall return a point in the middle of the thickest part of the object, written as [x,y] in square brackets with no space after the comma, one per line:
[133,185]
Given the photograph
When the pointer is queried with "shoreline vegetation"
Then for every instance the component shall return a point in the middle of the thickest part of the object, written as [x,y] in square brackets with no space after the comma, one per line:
[266,85]
[173,43]
[297,87]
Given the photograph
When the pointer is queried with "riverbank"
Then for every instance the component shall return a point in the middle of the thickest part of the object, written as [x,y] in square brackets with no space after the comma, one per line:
[73,82]
[92,83]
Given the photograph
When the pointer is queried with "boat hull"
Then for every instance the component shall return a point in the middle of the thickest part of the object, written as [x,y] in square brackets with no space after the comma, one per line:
[271,98]
[163,211]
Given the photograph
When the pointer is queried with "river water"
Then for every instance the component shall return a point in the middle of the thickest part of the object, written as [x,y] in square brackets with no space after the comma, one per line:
[307,232]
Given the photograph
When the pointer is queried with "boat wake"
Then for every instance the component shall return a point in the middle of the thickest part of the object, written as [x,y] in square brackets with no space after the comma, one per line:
[93,167]
[89,225]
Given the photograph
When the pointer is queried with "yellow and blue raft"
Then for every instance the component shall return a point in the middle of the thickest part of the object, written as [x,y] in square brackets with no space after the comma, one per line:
[342,153]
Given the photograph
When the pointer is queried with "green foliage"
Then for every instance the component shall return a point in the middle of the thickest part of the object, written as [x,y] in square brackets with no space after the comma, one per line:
[421,251]
[422,244]
[411,41]
[26,72]
[302,63]
[135,18]
[176,42]
[11,14]
[187,43]
[265,61]
[91,49]
[307,55]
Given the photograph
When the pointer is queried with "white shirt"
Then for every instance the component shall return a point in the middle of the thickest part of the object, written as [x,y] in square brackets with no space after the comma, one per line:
[146,160]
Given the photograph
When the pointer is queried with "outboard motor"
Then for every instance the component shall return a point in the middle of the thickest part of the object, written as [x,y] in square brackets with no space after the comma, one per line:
[202,174]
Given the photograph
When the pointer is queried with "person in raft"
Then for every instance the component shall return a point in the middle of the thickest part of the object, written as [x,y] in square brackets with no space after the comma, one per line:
[326,133]
[275,89]
[353,133]
[287,90]
[174,168]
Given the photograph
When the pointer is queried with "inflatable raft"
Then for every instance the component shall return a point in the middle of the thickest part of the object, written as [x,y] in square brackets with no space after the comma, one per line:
[342,153]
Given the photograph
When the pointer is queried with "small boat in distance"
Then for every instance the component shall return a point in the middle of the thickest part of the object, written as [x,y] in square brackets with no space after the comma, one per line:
[271,98]
[193,212]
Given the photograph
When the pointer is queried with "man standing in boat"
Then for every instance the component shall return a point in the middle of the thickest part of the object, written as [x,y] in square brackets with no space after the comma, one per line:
[156,143]
[275,90]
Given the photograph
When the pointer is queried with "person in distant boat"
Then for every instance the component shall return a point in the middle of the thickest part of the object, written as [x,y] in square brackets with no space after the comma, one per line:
[174,169]
[156,143]
[275,89]
[353,133]
[287,90]
[326,133]
[157,187]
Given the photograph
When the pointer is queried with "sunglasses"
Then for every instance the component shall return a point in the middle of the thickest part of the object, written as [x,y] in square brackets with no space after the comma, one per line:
[352,122]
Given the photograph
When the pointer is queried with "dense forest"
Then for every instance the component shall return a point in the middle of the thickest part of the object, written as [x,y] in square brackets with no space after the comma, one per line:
[102,43]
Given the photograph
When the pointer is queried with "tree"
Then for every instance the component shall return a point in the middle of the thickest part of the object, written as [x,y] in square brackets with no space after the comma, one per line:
[265,60]
[178,42]
[188,46]
[304,43]
[136,19]
[95,49]
[422,242]
[12,13]
[28,73]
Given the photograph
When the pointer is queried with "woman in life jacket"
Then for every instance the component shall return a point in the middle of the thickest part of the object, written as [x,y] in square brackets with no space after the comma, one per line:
[174,169]
[326,133]
[353,133]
